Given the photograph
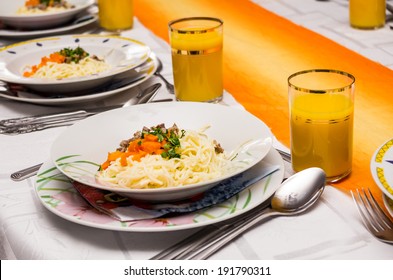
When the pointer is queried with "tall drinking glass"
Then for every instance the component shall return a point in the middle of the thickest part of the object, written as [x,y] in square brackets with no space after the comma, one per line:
[321,104]
[197,45]
[116,15]
[367,14]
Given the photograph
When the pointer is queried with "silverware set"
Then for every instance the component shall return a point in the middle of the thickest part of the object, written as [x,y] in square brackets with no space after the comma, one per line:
[296,195]
[29,124]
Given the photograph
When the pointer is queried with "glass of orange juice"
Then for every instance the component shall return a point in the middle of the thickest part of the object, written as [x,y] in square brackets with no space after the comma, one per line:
[367,14]
[197,45]
[321,105]
[116,15]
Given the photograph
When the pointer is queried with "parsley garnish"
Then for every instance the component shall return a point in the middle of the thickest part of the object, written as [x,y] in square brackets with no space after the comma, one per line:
[73,55]
[171,136]
[49,2]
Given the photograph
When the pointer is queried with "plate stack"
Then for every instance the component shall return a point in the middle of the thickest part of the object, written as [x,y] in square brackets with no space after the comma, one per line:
[70,175]
[129,63]
[20,22]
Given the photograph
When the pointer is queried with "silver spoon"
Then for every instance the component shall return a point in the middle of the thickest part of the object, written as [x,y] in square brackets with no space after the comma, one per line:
[297,194]
[168,85]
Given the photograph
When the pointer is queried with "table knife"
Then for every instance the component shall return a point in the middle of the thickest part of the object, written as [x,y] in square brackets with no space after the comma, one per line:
[146,97]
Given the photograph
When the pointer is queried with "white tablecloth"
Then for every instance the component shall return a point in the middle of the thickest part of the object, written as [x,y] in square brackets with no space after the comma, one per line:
[331,230]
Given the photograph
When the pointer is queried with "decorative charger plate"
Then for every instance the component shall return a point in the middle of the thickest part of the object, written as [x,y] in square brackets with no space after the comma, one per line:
[382,168]
[77,23]
[59,196]
[121,83]
[122,54]
[9,15]
[79,150]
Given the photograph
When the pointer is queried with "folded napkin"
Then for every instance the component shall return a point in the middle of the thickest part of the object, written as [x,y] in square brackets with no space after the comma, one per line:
[124,209]
[262,49]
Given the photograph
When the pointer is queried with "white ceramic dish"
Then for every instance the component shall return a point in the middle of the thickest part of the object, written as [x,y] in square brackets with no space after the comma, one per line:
[382,168]
[79,22]
[57,194]
[9,15]
[122,54]
[79,150]
[139,74]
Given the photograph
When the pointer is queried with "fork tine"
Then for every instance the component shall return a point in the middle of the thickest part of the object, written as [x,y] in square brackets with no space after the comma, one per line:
[358,202]
[384,220]
[373,217]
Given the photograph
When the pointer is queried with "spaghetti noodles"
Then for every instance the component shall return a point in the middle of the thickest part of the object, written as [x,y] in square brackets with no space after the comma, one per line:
[67,63]
[199,159]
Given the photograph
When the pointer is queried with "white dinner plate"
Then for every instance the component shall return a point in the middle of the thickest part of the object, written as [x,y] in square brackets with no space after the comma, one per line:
[121,53]
[138,74]
[9,15]
[58,195]
[78,23]
[83,147]
[382,168]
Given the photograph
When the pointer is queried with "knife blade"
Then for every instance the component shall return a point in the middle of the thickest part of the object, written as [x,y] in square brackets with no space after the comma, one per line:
[149,95]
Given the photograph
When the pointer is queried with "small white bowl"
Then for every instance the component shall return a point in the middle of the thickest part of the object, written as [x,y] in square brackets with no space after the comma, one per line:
[122,54]
[9,16]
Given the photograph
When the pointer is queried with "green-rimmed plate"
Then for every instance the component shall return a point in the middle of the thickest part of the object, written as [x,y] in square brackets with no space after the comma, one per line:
[58,195]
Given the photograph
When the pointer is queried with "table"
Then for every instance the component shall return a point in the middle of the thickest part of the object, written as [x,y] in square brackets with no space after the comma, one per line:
[331,231]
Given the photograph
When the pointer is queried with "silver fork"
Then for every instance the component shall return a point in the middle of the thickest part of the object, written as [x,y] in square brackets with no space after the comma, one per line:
[373,217]
[169,86]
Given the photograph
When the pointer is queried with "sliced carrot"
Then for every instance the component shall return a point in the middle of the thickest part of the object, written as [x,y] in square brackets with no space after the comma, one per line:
[105,165]
[114,155]
[137,148]
[151,137]
[53,57]
[134,146]
[123,160]
[150,147]
[138,156]
[33,3]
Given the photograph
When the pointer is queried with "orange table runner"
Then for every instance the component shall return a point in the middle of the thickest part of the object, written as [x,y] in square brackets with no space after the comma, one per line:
[262,49]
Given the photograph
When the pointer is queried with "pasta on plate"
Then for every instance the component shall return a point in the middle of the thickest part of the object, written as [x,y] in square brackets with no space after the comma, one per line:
[33,7]
[85,67]
[67,63]
[160,158]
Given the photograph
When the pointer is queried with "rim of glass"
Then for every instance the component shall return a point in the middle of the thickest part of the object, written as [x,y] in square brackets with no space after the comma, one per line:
[208,29]
[338,89]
